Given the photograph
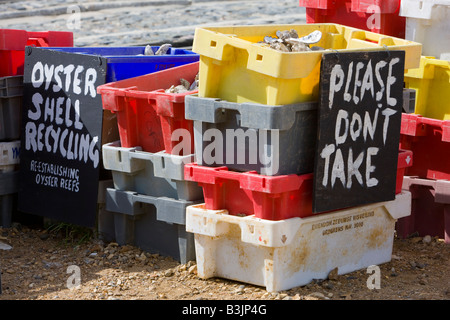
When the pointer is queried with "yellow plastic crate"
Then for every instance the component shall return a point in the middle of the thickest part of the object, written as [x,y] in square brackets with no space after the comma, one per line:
[236,68]
[432,84]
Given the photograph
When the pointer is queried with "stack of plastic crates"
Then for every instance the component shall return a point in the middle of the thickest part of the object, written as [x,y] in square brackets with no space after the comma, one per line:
[255,127]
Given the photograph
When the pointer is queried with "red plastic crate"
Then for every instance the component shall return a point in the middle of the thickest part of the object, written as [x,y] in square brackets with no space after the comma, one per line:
[429,140]
[430,209]
[249,193]
[357,14]
[266,197]
[146,115]
[13,43]
[405,160]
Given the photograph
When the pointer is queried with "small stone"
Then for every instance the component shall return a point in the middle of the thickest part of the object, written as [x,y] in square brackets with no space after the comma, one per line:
[281,296]
[297,297]
[182,268]
[240,289]
[346,296]
[44,236]
[317,295]
[416,239]
[427,239]
[5,246]
[125,248]
[162,296]
[393,273]
[169,273]
[333,275]
[329,285]
[193,269]
[420,265]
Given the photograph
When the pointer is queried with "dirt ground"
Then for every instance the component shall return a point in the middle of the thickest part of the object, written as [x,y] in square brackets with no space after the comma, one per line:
[37,267]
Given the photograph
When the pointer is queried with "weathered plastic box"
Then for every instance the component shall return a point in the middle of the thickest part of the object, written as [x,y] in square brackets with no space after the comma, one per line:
[428,22]
[430,209]
[236,68]
[147,116]
[429,140]
[280,255]
[152,174]
[431,81]
[270,140]
[358,14]
[154,224]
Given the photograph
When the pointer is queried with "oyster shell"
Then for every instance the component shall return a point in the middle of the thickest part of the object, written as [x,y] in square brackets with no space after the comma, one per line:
[289,41]
[163,49]
[148,51]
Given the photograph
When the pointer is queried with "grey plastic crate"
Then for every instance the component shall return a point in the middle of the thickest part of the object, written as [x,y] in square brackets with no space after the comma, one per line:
[409,100]
[154,224]
[153,174]
[11,86]
[9,185]
[10,117]
[289,133]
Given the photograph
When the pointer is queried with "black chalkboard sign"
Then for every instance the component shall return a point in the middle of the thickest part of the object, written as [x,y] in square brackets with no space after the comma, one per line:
[359,128]
[61,135]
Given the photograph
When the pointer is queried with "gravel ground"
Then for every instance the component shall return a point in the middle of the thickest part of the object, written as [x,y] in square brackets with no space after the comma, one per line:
[36,268]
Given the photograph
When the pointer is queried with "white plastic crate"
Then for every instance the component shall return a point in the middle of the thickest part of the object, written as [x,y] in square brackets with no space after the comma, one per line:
[428,22]
[281,255]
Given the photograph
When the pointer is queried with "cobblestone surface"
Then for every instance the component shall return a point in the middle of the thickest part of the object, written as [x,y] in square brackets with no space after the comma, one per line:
[126,23]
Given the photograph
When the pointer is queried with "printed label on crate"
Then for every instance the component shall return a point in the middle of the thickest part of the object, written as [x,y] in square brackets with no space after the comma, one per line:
[360,107]
[61,135]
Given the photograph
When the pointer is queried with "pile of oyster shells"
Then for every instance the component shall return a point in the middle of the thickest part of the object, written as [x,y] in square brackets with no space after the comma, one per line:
[162,50]
[184,86]
[289,41]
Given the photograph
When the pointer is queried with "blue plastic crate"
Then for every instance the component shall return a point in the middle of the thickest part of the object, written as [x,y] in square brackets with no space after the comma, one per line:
[129,62]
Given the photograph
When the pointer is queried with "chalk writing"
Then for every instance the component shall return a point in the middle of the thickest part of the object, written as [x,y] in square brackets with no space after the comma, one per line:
[359,125]
[55,124]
